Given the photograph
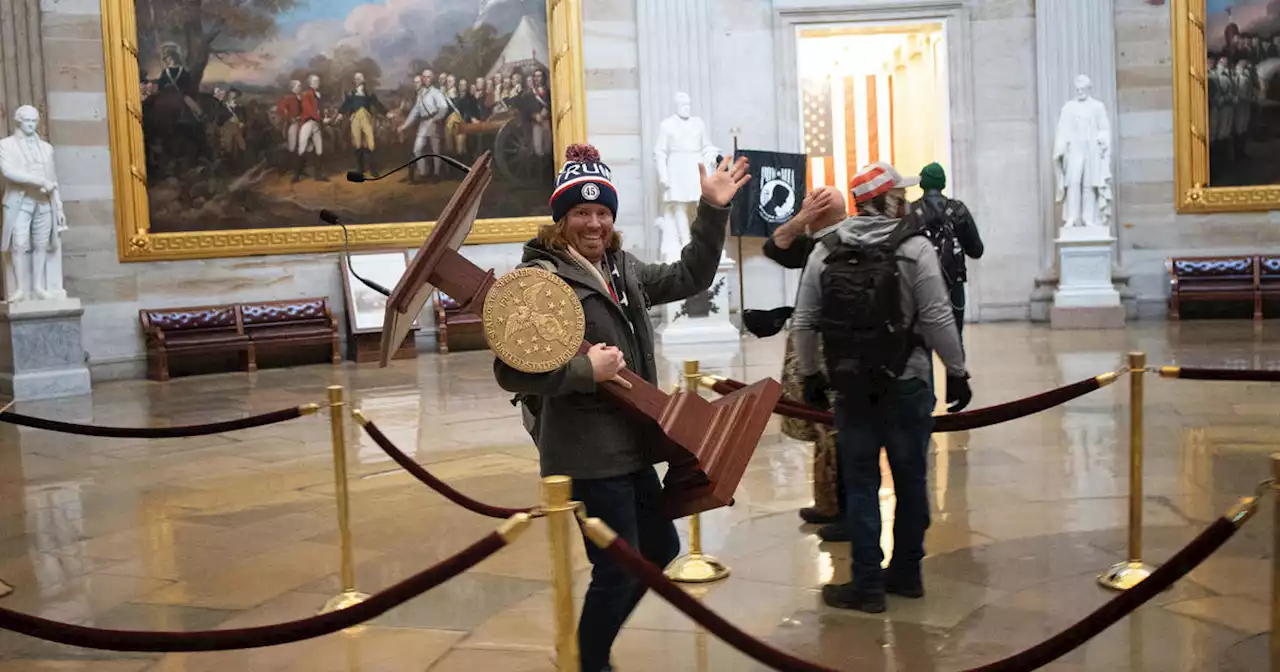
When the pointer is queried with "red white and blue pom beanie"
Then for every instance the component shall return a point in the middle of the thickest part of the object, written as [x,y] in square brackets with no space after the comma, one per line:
[583,179]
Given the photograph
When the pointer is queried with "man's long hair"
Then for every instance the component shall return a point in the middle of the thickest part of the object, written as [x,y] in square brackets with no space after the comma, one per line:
[551,236]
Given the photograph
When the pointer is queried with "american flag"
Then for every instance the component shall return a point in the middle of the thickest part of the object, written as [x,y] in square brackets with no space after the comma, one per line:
[848,124]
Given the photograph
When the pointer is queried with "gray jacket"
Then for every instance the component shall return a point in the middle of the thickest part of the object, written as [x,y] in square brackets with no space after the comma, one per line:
[924,295]
[580,432]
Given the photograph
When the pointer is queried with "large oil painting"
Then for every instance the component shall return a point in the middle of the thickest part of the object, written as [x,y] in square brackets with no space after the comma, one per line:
[251,114]
[1227,84]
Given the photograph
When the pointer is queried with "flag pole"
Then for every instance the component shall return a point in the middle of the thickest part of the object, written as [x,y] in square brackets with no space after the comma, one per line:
[742,310]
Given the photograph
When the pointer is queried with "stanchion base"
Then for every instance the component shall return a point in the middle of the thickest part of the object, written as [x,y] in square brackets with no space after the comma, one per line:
[347,598]
[1125,575]
[696,568]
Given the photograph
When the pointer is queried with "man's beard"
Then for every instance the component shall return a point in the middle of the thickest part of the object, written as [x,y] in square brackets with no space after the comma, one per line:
[895,206]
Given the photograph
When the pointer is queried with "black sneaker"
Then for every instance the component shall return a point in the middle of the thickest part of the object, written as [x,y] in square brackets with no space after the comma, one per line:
[835,532]
[904,584]
[812,516]
[845,596]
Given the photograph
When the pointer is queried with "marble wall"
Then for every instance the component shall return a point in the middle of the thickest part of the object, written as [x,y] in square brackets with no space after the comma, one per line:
[993,113]
[1151,231]
[999,176]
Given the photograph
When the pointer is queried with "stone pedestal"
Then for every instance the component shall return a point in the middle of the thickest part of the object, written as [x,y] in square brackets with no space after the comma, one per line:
[1086,298]
[704,318]
[41,350]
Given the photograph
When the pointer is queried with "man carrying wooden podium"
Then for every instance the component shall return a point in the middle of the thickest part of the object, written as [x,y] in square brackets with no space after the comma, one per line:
[581,433]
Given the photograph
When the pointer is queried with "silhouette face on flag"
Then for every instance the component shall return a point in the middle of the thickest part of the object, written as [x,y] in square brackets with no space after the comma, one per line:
[773,197]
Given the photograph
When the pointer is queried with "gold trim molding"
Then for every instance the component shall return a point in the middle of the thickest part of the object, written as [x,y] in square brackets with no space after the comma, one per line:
[1190,115]
[134,241]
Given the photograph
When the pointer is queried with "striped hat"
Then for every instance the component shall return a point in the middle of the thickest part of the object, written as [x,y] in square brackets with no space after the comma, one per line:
[878,178]
[583,179]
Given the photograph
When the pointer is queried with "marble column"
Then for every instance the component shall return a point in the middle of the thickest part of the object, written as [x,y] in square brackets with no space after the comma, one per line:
[1072,38]
[21,62]
[675,56]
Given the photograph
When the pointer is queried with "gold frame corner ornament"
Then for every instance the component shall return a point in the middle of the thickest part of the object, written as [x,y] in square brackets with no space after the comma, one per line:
[1191,125]
[135,241]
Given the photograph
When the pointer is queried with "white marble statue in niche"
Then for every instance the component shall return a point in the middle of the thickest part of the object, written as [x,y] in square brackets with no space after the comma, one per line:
[31,240]
[1082,160]
[683,144]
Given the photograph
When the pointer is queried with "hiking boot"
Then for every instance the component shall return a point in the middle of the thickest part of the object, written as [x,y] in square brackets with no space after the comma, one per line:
[812,516]
[846,596]
[834,533]
[904,584]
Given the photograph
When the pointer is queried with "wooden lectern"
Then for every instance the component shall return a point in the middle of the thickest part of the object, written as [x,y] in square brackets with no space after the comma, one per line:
[707,443]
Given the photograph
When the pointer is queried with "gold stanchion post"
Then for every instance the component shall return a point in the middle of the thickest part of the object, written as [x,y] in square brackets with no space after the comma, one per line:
[695,566]
[1125,575]
[556,502]
[349,595]
[1275,563]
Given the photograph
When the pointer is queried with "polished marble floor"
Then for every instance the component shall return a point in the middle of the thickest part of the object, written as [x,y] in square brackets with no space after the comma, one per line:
[239,529]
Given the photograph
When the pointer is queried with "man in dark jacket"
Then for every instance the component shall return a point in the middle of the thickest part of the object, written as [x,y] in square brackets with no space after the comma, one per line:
[949,226]
[580,433]
[897,416]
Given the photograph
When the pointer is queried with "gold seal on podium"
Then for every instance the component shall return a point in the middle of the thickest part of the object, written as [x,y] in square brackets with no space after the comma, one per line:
[533,321]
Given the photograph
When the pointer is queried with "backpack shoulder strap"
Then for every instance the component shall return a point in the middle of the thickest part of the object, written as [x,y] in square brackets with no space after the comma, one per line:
[908,228]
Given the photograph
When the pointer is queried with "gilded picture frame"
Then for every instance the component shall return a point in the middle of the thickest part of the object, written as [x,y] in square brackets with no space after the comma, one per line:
[137,242]
[1193,131]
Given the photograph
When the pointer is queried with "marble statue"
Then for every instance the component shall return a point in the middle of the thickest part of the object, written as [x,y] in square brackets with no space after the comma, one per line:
[31,240]
[1082,159]
[683,144]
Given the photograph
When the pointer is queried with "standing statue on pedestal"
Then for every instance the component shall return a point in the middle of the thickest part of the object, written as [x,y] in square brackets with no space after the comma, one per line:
[31,240]
[1082,159]
[682,145]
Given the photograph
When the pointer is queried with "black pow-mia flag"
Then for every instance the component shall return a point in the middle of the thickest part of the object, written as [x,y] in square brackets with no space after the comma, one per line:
[773,195]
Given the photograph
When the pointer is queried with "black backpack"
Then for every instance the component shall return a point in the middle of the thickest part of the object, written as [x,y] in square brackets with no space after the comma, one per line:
[866,341]
[937,220]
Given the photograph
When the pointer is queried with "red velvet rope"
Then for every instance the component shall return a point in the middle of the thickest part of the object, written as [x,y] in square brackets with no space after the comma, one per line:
[1035,657]
[952,422]
[419,472]
[255,637]
[1243,375]
[151,432]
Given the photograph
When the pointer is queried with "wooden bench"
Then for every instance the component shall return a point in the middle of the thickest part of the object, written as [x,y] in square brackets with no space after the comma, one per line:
[1215,280]
[200,330]
[247,327]
[457,329]
[279,325]
[1269,281]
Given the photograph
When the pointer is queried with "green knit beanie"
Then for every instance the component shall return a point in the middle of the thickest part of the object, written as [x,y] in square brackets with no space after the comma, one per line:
[933,178]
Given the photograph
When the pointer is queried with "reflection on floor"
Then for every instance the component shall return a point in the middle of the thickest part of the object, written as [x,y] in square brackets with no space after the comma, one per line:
[239,529]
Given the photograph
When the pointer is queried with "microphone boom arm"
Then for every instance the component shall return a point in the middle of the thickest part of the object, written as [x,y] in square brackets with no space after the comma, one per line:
[354,176]
[330,218]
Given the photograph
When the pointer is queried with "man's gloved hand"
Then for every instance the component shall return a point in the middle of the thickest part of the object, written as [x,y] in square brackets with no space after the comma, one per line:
[815,391]
[958,393]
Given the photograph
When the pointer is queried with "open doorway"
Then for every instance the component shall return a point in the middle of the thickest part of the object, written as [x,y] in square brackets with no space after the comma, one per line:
[873,92]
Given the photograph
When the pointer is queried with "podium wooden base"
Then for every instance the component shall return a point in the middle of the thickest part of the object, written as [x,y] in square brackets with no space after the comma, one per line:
[366,348]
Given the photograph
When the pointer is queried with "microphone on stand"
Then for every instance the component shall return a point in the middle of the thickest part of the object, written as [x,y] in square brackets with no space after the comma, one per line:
[330,218]
[356,176]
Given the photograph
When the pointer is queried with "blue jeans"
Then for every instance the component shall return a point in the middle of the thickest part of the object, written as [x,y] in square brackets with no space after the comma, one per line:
[632,506]
[901,423]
